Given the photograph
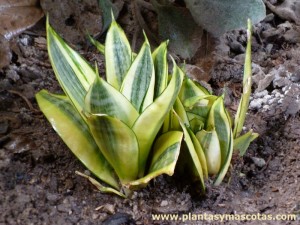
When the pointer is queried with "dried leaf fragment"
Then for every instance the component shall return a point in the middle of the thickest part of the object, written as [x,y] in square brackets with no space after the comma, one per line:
[17,16]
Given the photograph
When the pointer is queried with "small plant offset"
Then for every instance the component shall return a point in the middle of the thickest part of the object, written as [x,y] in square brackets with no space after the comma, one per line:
[129,128]
[209,133]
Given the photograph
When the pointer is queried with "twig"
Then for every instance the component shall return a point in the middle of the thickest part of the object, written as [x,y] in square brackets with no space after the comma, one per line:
[266,166]
[25,99]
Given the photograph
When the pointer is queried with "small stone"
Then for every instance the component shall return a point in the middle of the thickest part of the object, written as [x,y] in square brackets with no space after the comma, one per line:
[256,104]
[95,216]
[25,40]
[164,203]
[108,208]
[63,208]
[259,162]
[196,73]
[12,75]
[292,36]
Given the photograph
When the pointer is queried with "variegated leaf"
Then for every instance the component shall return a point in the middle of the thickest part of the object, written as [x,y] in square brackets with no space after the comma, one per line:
[99,186]
[203,100]
[165,154]
[74,74]
[191,89]
[192,150]
[150,121]
[118,55]
[199,151]
[102,98]
[108,8]
[242,142]
[180,111]
[247,82]
[138,84]
[68,123]
[161,68]
[211,146]
[118,144]
[100,47]
[219,120]
[227,161]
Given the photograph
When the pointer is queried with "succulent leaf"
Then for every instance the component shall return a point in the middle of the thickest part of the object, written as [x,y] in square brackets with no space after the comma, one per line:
[72,71]
[99,186]
[102,98]
[191,148]
[73,130]
[247,82]
[219,121]
[242,142]
[118,55]
[150,121]
[191,89]
[97,44]
[211,146]
[138,84]
[165,154]
[161,68]
[118,144]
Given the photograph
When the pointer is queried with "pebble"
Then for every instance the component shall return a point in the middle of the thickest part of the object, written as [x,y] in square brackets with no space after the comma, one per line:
[256,104]
[12,75]
[259,162]
[164,203]
[52,197]
[108,208]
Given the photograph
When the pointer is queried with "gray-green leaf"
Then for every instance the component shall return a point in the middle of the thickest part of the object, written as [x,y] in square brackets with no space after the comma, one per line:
[219,16]
[177,25]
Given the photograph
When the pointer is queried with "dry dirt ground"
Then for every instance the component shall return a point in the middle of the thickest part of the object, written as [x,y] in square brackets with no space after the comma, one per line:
[38,184]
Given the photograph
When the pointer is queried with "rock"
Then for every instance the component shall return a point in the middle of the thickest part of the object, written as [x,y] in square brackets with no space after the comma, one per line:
[256,104]
[5,85]
[12,74]
[288,10]
[295,77]
[272,34]
[20,144]
[259,162]
[265,82]
[292,36]
[291,100]
[196,73]
[236,47]
[164,203]
[281,81]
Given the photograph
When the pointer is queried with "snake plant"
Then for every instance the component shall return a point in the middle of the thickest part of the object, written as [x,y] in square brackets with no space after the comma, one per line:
[209,133]
[129,128]
[112,125]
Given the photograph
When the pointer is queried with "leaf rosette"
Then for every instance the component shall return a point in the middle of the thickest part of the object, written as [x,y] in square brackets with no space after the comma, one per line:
[112,125]
[129,128]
